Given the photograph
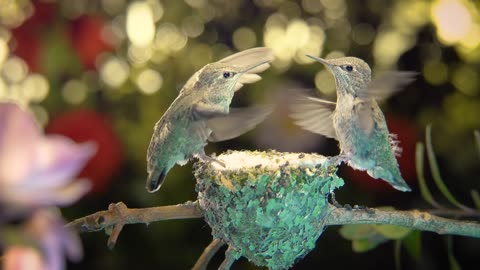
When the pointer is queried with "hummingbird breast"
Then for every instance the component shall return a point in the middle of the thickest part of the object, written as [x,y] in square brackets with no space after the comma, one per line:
[354,122]
[173,140]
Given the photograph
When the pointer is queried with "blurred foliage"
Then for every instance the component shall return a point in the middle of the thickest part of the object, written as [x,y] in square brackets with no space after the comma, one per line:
[125,61]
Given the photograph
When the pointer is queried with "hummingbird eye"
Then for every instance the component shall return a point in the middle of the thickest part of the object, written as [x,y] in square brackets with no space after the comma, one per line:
[349,68]
[227,75]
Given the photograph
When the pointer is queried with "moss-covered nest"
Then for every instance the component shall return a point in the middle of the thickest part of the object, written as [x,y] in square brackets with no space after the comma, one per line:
[267,206]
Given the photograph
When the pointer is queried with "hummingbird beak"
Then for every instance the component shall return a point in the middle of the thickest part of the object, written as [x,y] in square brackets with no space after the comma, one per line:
[321,60]
[253,66]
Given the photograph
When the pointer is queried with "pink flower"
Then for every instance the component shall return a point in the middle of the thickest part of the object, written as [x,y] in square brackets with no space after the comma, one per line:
[22,257]
[51,238]
[37,170]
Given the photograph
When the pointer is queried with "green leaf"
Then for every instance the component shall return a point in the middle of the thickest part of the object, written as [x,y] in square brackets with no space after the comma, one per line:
[58,57]
[424,191]
[475,198]
[363,245]
[397,254]
[413,245]
[476,134]
[11,235]
[392,231]
[364,237]
[357,231]
[454,265]
[436,172]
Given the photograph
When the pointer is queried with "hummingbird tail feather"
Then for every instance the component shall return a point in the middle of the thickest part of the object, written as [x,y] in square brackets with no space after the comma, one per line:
[155,180]
[400,184]
[395,179]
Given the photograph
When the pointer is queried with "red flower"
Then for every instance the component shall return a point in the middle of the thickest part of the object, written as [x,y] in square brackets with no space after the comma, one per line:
[87,125]
[86,36]
[83,34]
[27,36]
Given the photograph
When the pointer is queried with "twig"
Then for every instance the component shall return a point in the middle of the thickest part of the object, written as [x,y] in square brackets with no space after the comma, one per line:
[453,213]
[412,219]
[207,254]
[229,259]
[117,215]
[437,178]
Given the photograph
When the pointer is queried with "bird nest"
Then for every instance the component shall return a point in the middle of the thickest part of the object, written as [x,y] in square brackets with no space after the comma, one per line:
[267,206]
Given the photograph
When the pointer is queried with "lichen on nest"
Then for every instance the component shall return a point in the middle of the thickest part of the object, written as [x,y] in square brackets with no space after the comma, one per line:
[267,206]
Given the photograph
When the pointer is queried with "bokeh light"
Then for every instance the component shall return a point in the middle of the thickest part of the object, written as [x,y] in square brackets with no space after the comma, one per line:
[192,26]
[113,7]
[74,91]
[453,20]
[14,69]
[363,33]
[388,47]
[35,88]
[292,39]
[465,79]
[3,51]
[140,24]
[435,72]
[149,81]
[312,6]
[13,13]
[169,38]
[114,71]
[244,38]
[325,82]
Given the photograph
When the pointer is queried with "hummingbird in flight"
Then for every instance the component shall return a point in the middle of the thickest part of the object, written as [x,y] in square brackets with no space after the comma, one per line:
[201,113]
[356,120]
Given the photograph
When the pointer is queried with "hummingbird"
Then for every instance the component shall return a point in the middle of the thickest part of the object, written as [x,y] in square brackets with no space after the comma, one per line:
[201,113]
[356,120]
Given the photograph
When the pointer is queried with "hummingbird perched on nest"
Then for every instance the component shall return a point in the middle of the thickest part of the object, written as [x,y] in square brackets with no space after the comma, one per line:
[202,113]
[356,120]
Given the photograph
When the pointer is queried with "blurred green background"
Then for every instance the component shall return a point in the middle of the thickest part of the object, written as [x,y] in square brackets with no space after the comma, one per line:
[107,70]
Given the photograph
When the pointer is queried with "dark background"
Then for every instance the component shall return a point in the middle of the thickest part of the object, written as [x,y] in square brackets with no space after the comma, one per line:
[107,70]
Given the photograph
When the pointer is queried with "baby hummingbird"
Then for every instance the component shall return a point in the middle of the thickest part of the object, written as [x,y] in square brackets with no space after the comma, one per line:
[202,113]
[356,120]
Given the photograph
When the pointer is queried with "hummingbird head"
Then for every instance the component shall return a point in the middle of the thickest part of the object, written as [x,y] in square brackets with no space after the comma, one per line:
[224,76]
[350,73]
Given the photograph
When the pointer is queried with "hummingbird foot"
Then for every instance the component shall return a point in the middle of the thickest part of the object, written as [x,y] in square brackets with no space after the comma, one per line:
[334,201]
[345,206]
[342,158]
[203,157]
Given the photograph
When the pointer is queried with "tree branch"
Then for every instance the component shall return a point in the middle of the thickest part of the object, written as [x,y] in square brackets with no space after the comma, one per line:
[117,215]
[207,254]
[454,213]
[412,219]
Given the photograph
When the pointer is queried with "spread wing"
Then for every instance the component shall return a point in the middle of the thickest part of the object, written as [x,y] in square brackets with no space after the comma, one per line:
[237,122]
[387,84]
[248,58]
[220,126]
[314,115]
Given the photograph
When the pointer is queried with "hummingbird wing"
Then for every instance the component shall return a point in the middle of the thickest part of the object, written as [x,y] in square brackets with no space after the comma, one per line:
[216,125]
[314,115]
[387,84]
[364,114]
[248,58]
[237,122]
[202,111]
